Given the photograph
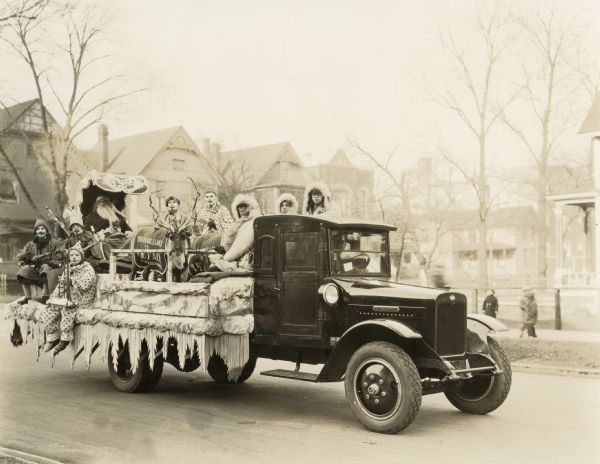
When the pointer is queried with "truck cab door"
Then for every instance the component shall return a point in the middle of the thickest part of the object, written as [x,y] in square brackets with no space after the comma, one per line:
[299,277]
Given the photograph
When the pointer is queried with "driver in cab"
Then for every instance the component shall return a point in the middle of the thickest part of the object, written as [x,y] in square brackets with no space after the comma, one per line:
[352,261]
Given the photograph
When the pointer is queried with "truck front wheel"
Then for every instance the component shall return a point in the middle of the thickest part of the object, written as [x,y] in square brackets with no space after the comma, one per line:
[483,393]
[383,387]
[125,379]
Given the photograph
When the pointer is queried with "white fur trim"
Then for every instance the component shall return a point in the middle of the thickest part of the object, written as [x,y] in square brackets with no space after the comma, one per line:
[242,198]
[290,198]
[323,188]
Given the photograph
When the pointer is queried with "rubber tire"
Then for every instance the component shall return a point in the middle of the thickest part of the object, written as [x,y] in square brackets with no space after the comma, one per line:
[219,371]
[410,384]
[496,392]
[142,380]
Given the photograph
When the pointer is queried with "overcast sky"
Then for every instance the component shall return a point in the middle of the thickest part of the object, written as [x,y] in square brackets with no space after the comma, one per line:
[314,73]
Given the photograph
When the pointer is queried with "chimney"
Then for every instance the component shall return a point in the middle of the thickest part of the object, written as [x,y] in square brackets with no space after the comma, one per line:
[103,147]
[215,154]
[205,147]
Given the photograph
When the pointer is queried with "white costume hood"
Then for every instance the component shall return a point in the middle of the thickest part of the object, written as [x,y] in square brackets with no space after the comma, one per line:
[251,201]
[290,198]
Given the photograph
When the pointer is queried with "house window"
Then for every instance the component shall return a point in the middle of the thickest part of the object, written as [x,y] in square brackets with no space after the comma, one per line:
[8,191]
[178,164]
[31,122]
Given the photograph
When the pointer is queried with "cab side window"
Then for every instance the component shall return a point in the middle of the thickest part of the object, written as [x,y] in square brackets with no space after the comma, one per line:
[301,251]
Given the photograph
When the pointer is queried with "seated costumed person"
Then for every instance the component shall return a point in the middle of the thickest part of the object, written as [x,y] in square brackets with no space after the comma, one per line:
[287,204]
[317,199]
[76,288]
[174,217]
[238,239]
[109,225]
[214,216]
[36,259]
[77,234]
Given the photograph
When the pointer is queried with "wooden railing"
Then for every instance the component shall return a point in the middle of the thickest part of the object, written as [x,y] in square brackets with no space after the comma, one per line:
[112,263]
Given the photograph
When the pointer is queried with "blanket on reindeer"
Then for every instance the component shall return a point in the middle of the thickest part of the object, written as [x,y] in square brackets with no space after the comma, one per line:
[201,317]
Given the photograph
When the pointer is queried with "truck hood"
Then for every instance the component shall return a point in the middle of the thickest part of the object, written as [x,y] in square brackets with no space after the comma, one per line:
[358,290]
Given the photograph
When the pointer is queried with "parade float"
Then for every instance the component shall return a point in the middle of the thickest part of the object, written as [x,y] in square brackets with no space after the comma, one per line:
[131,320]
[320,292]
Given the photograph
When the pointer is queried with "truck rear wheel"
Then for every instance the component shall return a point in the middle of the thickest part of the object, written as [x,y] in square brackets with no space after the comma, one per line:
[128,381]
[383,387]
[219,371]
[483,393]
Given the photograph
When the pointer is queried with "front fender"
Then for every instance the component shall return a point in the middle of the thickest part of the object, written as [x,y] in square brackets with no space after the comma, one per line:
[491,323]
[359,334]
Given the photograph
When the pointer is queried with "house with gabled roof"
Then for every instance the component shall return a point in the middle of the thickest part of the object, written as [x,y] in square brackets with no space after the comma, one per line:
[25,183]
[168,158]
[265,171]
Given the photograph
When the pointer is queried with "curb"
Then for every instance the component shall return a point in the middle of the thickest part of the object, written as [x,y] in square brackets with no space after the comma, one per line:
[555,370]
[26,457]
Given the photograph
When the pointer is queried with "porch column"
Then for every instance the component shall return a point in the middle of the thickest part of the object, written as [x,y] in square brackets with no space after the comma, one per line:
[596,222]
[558,272]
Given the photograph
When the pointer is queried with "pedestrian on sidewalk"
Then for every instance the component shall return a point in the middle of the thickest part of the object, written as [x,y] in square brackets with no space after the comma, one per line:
[529,312]
[490,303]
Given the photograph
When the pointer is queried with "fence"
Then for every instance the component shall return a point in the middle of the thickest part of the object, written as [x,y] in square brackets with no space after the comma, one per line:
[3,284]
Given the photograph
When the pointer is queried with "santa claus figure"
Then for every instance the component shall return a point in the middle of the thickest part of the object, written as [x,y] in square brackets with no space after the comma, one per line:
[109,225]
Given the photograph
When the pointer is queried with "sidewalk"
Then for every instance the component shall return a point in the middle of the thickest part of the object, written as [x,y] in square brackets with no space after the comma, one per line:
[556,335]
[556,352]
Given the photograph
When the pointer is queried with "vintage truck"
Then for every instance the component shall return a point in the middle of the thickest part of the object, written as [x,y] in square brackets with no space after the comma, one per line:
[320,294]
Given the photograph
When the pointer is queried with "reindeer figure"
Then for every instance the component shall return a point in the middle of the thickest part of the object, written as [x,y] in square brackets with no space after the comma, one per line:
[177,232]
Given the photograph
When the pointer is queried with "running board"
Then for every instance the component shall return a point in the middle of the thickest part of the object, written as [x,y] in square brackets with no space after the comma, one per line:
[296,375]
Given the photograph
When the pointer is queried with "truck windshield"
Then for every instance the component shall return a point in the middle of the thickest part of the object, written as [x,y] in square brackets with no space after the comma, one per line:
[359,253]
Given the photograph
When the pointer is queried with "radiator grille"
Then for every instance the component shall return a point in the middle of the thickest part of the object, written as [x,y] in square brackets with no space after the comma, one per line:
[450,323]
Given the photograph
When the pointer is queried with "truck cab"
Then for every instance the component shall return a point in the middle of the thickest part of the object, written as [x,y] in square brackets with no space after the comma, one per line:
[323,295]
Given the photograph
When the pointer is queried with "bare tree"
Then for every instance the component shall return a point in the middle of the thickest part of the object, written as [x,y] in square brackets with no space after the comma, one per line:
[473,95]
[557,84]
[401,190]
[61,43]
[232,176]
[9,12]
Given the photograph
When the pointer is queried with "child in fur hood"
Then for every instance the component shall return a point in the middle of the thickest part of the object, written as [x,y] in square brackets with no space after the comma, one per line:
[76,287]
[287,204]
[238,238]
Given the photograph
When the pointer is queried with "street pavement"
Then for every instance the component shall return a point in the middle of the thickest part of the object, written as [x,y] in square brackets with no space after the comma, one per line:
[77,416]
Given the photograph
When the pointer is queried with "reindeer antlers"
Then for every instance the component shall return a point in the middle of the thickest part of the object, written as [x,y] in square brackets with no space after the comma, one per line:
[156,215]
[193,210]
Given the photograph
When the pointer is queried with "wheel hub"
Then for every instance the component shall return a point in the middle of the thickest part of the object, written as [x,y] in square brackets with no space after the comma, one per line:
[378,388]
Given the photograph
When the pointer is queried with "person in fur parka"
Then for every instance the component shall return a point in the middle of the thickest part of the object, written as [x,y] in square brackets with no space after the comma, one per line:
[287,204]
[238,238]
[76,288]
[317,199]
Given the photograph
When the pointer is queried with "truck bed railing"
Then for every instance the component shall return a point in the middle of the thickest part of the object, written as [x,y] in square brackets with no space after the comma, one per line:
[114,253]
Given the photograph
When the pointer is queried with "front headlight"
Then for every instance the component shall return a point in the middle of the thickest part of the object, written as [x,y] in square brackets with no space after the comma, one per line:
[329,293]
